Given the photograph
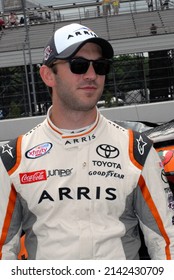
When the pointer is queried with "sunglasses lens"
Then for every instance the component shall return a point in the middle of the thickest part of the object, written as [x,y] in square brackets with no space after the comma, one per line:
[79,66]
[101,67]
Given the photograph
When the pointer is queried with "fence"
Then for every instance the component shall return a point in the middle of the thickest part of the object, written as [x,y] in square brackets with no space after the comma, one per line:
[21,96]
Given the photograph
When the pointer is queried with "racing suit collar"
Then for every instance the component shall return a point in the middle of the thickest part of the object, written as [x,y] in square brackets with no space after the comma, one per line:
[73,138]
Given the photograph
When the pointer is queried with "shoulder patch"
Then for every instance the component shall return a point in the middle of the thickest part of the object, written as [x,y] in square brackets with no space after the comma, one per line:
[8,154]
[139,147]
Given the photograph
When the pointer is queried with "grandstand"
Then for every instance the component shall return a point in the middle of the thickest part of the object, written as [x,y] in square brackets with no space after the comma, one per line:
[127,32]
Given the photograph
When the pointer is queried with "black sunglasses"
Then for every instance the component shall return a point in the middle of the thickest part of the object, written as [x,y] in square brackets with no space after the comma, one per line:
[80,65]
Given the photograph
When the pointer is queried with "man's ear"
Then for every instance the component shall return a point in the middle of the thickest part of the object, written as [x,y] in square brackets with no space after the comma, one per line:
[47,76]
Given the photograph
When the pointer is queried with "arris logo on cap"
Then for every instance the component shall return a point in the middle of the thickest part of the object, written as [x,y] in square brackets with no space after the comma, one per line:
[69,39]
[84,31]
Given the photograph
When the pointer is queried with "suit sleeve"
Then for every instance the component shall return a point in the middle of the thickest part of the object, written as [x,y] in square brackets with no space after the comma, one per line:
[153,208]
[10,208]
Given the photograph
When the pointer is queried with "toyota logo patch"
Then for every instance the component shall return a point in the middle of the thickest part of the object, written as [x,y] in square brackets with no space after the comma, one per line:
[107,151]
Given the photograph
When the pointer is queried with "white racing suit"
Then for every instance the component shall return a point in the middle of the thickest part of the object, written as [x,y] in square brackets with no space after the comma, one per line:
[81,196]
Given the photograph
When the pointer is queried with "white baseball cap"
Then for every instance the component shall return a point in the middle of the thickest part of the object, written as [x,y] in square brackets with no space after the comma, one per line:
[67,40]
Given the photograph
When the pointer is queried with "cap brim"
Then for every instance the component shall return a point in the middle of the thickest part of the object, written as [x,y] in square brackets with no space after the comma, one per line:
[107,50]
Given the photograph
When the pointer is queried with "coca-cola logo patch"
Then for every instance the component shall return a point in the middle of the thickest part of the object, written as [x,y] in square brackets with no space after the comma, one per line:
[32,177]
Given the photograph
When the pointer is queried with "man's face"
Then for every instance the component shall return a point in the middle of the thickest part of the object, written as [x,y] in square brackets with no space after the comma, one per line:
[79,92]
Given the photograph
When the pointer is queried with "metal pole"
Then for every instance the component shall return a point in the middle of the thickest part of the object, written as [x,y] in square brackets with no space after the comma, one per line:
[28,88]
[145,84]
[30,59]
[115,85]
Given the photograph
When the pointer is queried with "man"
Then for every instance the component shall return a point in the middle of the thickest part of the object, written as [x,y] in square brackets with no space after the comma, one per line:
[116,6]
[153,29]
[106,5]
[13,19]
[2,25]
[78,184]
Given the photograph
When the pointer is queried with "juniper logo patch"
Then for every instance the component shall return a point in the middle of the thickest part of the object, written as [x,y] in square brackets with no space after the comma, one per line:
[107,151]
[39,150]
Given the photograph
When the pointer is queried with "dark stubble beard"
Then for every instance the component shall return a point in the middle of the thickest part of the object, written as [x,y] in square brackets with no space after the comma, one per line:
[70,102]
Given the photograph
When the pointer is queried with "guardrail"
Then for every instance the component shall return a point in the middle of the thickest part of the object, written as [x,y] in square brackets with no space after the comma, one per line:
[11,128]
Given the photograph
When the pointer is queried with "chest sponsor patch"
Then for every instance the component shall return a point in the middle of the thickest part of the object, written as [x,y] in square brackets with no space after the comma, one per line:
[32,177]
[39,150]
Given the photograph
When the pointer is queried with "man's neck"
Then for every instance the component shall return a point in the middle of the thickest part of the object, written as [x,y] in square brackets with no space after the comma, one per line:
[73,120]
